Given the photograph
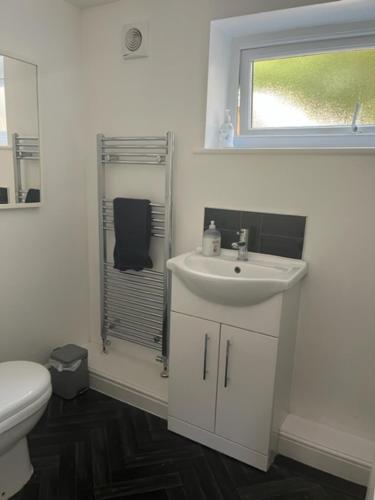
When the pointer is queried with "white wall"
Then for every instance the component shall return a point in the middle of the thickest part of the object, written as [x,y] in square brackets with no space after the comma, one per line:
[43,252]
[21,97]
[333,380]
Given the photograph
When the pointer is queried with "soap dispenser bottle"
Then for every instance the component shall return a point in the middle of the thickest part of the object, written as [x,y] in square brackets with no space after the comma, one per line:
[211,241]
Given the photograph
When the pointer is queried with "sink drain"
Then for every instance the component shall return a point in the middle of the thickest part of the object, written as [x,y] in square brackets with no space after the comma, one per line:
[237,270]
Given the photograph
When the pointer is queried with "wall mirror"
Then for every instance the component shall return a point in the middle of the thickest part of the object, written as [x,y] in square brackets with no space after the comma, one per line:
[20,170]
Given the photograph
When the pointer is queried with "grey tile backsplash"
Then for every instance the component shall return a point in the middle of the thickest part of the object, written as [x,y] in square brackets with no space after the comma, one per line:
[275,234]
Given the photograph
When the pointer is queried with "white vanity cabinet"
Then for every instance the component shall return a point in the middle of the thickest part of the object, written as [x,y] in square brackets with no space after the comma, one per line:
[194,352]
[247,365]
[230,374]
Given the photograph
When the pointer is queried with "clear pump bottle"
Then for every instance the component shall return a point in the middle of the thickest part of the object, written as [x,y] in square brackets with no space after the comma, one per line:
[211,241]
[226,132]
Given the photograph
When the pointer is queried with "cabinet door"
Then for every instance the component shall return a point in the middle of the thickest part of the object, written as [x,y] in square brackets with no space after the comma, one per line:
[194,353]
[245,387]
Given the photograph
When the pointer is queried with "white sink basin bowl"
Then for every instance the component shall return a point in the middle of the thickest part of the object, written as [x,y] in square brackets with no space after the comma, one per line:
[228,281]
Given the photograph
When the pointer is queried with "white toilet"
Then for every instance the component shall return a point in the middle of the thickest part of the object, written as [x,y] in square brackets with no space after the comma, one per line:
[25,389]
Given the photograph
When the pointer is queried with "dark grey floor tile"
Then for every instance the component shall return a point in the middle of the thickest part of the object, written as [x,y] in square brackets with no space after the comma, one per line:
[96,448]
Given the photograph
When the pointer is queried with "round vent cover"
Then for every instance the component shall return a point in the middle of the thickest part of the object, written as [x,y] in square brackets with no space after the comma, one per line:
[133,39]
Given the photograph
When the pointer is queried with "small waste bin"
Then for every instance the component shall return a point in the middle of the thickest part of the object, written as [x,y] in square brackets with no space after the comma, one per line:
[69,371]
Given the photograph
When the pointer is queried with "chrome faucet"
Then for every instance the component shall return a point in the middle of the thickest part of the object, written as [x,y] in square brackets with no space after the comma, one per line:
[241,244]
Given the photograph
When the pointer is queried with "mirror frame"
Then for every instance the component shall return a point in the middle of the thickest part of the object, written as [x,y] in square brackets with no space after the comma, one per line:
[17,206]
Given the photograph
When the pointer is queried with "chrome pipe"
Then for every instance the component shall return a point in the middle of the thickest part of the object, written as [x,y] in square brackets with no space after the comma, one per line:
[102,237]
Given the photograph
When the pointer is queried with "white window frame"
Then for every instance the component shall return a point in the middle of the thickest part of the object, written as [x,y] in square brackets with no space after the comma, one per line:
[328,136]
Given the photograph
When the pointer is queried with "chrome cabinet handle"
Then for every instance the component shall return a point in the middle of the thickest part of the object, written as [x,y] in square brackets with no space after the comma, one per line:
[206,339]
[226,364]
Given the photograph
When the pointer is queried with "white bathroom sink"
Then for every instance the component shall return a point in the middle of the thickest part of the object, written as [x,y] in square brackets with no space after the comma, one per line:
[228,281]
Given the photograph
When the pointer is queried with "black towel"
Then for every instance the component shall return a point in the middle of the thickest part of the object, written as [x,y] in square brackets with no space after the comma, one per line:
[33,196]
[3,196]
[132,221]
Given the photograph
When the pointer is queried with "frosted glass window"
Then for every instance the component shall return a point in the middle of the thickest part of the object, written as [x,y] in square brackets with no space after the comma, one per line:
[3,121]
[315,90]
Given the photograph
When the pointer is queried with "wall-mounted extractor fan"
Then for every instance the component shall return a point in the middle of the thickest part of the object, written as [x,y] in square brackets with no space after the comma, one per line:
[135,40]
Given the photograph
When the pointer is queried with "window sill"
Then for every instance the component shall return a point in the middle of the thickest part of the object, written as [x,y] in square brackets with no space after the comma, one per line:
[287,150]
[19,206]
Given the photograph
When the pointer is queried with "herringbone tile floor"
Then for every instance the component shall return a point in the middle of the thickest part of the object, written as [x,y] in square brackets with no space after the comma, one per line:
[96,448]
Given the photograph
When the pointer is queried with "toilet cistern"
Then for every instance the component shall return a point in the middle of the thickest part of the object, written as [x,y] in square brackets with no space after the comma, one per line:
[242,245]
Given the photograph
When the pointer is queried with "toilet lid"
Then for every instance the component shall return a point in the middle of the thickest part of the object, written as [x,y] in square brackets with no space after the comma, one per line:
[21,383]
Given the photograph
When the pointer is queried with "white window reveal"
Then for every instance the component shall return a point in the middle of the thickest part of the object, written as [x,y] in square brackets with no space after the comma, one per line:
[307,93]
[296,78]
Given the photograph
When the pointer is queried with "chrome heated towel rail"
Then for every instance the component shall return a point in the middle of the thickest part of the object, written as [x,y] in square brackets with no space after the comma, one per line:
[24,148]
[135,306]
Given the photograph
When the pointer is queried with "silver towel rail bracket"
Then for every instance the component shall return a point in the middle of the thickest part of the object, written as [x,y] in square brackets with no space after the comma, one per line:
[135,306]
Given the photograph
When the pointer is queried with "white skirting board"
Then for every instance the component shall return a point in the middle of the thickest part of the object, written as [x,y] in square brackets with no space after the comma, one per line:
[334,458]
[219,443]
[127,394]
[129,373]
[336,452]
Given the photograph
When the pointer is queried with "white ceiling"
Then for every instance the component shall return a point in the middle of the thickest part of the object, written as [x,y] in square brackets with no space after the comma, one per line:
[88,3]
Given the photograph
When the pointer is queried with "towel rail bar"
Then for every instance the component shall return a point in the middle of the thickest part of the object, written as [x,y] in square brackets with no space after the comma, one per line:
[146,278]
[131,333]
[155,235]
[136,319]
[135,306]
[125,282]
[144,272]
[133,339]
[151,303]
[140,330]
[135,139]
[159,205]
[114,305]
[24,149]
[133,298]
